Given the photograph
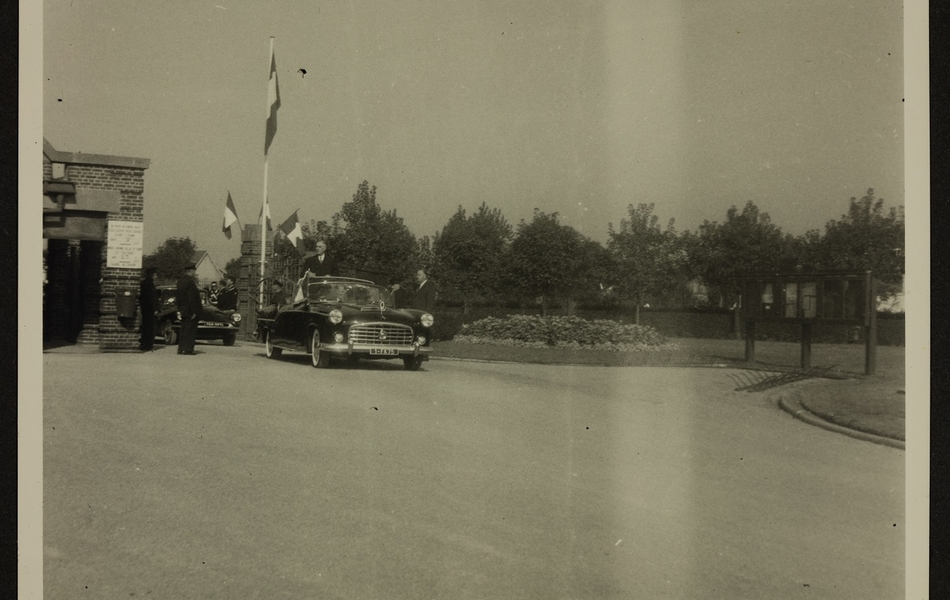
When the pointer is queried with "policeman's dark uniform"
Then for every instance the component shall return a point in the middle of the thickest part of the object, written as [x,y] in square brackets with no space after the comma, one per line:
[188,299]
[148,302]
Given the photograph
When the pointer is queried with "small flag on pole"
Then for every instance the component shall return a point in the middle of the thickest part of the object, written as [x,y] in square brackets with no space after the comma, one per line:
[299,294]
[265,208]
[273,103]
[230,217]
[291,229]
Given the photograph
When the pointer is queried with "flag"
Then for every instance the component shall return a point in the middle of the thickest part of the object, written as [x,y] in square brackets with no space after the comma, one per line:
[273,103]
[265,208]
[230,216]
[291,229]
[299,293]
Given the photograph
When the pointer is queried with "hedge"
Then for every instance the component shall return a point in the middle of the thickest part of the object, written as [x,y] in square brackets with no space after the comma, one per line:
[691,324]
[534,331]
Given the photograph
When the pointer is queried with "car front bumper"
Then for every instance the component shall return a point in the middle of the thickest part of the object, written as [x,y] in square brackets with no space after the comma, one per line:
[375,351]
[215,331]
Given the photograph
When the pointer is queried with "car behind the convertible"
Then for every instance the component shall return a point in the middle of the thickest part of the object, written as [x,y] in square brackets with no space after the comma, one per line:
[214,324]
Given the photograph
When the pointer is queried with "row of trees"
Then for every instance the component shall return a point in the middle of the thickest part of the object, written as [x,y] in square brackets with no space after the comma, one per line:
[479,257]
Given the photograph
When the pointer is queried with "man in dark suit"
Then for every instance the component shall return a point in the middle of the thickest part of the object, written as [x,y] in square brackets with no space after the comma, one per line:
[188,300]
[148,302]
[228,296]
[423,297]
[320,263]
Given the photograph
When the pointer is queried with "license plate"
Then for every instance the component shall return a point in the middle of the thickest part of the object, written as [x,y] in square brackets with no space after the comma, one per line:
[383,351]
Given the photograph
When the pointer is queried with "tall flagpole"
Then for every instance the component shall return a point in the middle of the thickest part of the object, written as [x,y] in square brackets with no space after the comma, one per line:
[264,210]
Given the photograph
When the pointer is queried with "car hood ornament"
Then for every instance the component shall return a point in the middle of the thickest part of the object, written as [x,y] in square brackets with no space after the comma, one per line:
[382,305]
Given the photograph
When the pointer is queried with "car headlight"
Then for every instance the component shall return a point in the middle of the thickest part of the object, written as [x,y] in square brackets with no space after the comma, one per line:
[421,340]
[427,320]
[338,337]
[335,316]
[236,317]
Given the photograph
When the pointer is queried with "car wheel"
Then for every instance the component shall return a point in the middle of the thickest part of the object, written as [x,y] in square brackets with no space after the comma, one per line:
[168,333]
[229,340]
[269,349]
[320,360]
[412,363]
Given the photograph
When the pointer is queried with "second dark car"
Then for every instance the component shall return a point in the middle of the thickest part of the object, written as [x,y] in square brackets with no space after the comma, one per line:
[214,324]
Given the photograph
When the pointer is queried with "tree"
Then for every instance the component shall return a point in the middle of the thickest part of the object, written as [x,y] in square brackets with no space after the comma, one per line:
[424,257]
[546,258]
[469,253]
[233,268]
[648,259]
[747,242]
[369,240]
[316,230]
[867,238]
[171,257]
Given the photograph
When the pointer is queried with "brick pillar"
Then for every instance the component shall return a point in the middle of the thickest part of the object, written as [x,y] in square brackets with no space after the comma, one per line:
[115,334]
[247,283]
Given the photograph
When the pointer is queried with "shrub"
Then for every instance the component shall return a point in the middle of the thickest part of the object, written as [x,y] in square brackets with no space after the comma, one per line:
[533,331]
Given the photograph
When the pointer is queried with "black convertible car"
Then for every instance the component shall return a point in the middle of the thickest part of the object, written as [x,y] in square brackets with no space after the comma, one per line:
[341,317]
[214,324]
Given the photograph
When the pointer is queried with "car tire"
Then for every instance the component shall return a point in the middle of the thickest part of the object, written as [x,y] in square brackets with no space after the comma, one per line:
[168,333]
[229,340]
[320,360]
[269,349]
[412,363]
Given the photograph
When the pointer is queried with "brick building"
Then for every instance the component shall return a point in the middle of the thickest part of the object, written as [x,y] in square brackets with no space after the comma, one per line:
[92,228]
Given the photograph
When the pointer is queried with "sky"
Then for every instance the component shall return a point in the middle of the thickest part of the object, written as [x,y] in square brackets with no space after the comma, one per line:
[579,108]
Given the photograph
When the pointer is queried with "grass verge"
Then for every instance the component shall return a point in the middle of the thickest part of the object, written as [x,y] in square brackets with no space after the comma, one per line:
[873,404]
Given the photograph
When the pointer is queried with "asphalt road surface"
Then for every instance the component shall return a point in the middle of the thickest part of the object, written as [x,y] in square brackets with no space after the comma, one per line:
[227,475]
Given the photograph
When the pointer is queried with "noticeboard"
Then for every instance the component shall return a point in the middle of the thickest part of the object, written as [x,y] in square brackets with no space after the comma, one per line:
[807,297]
[124,245]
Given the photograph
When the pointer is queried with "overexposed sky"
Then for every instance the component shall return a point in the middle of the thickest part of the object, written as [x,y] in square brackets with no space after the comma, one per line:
[576,107]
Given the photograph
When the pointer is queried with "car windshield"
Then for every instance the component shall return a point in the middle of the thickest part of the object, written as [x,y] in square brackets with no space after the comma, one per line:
[348,292]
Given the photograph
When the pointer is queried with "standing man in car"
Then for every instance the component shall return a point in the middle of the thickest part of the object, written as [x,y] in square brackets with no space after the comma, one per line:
[320,263]
[188,299]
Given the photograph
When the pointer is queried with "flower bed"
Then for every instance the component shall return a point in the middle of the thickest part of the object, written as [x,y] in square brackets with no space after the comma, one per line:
[531,331]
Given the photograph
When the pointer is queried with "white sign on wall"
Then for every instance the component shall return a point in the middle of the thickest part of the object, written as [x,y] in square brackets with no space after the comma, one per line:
[124,245]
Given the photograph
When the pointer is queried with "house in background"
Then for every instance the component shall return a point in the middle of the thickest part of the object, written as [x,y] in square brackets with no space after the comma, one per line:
[206,271]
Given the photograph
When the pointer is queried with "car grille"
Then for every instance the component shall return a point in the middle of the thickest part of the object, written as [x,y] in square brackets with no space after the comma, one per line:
[381,334]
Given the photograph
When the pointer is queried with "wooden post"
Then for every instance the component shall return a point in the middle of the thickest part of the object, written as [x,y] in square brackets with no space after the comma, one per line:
[806,345]
[870,330]
[750,341]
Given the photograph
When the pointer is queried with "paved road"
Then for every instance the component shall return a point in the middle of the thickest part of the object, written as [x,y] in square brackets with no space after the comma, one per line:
[226,475]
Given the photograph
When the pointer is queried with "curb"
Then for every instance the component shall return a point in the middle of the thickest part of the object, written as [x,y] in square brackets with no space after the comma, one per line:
[790,403]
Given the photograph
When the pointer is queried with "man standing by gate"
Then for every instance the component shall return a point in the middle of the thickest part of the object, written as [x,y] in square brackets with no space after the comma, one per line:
[148,301]
[188,299]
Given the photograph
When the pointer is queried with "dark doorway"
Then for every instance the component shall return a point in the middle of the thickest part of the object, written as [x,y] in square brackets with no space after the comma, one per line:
[73,290]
